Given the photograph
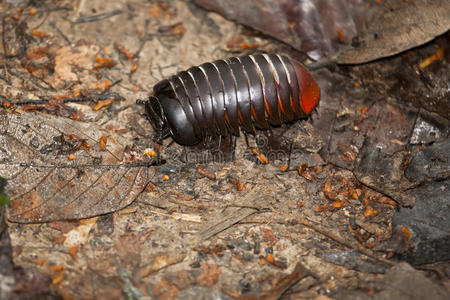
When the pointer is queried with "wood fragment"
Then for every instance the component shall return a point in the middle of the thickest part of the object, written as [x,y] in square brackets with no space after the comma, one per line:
[399,26]
[98,17]
[340,240]
[180,216]
[222,223]
[254,201]
[78,99]
[103,103]
[331,235]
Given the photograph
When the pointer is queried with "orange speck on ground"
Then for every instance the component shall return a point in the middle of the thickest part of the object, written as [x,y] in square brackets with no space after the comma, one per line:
[134,67]
[269,236]
[262,261]
[102,85]
[57,268]
[41,262]
[36,52]
[58,278]
[406,232]
[338,204]
[103,103]
[342,37]
[370,212]
[245,46]
[102,142]
[124,51]
[104,63]
[59,239]
[178,29]
[40,34]
[270,258]
[321,208]
[150,152]
[73,250]
[438,55]
[239,185]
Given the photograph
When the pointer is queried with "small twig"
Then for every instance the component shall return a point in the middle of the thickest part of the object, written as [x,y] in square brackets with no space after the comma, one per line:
[98,17]
[43,21]
[60,32]
[226,222]
[179,216]
[340,240]
[334,237]
[5,53]
[147,37]
[93,98]
[91,166]
[4,76]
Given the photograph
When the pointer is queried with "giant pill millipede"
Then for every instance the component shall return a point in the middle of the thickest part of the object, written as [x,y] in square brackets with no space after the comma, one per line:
[220,97]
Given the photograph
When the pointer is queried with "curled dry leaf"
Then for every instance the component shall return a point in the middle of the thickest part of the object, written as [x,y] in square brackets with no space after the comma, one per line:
[316,27]
[398,26]
[45,186]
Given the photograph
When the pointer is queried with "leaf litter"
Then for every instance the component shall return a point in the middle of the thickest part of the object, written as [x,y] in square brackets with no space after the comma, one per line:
[85,196]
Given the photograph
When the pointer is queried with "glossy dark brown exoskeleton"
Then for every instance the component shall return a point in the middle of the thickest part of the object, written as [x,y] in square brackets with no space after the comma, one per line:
[218,98]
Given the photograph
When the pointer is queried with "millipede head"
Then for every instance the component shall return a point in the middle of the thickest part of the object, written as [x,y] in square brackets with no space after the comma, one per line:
[157,118]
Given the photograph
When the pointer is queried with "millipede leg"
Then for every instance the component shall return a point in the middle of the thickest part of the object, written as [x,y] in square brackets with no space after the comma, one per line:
[158,148]
[289,156]
[246,140]
[234,139]
[185,154]
[158,157]
[255,150]
[270,131]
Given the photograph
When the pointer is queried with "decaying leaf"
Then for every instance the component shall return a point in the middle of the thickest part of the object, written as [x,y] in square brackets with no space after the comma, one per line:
[399,26]
[45,185]
[256,221]
[316,27]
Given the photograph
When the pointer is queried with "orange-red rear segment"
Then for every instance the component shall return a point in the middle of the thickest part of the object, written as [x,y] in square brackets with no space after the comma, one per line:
[309,89]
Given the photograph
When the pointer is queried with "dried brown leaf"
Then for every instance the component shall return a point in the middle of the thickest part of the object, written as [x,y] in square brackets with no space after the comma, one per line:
[45,186]
[399,26]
